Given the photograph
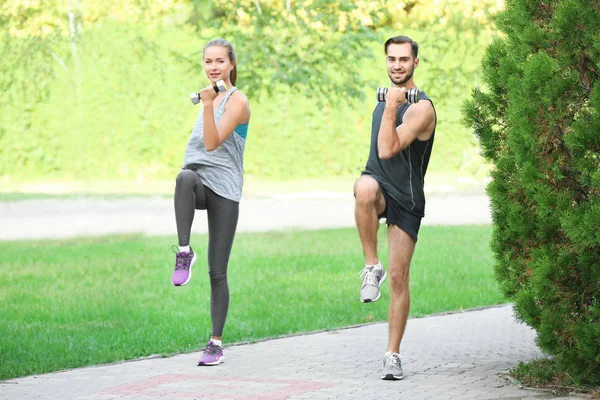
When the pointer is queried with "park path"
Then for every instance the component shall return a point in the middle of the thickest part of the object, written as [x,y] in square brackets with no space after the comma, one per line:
[453,356]
[74,217]
[458,356]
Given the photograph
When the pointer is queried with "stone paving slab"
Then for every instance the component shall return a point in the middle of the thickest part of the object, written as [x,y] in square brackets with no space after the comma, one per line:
[455,356]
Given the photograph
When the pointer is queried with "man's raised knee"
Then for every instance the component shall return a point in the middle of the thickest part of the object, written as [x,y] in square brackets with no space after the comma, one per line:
[366,190]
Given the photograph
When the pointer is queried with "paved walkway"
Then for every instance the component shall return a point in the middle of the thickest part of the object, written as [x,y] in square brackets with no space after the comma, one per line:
[455,356]
[57,218]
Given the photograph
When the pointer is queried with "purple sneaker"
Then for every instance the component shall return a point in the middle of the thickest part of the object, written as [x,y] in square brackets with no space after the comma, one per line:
[213,355]
[183,266]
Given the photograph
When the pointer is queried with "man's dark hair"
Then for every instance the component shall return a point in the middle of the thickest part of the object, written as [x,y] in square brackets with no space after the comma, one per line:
[401,40]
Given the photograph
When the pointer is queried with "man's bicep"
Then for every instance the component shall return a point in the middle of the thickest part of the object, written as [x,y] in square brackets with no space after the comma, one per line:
[416,122]
[409,129]
[425,123]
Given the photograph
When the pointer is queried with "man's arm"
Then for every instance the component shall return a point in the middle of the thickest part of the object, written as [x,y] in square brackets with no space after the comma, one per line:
[417,122]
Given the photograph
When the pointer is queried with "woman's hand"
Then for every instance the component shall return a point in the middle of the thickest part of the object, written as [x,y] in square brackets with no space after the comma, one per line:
[208,95]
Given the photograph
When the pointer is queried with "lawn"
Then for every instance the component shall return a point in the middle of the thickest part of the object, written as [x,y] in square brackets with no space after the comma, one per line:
[77,302]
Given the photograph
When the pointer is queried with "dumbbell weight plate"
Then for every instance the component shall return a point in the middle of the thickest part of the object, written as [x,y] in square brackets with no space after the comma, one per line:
[412,95]
[218,87]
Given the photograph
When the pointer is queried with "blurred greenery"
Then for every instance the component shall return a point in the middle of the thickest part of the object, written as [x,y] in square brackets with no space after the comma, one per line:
[99,90]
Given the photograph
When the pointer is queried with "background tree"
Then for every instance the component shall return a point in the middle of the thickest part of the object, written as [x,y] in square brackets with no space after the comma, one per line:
[28,43]
[539,124]
[103,90]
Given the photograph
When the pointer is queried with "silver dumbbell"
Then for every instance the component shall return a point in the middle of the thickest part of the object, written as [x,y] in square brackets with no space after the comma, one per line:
[412,95]
[219,87]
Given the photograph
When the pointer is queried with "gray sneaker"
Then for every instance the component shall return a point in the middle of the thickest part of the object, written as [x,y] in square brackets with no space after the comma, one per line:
[373,278]
[392,367]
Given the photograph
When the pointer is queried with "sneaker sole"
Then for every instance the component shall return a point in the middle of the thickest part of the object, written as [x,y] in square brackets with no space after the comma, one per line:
[190,274]
[379,295]
[219,361]
[392,377]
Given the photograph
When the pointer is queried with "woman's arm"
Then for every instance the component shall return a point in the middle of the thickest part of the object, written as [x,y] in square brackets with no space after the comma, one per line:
[236,112]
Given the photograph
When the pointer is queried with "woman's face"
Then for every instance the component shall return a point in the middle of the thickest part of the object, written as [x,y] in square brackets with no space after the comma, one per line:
[217,64]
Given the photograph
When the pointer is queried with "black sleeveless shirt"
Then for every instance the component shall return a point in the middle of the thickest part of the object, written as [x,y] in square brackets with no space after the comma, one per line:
[402,177]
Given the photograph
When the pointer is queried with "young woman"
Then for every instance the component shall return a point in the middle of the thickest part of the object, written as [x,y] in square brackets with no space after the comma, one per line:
[211,180]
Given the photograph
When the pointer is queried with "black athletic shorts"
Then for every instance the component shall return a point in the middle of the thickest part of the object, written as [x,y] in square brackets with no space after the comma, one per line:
[395,214]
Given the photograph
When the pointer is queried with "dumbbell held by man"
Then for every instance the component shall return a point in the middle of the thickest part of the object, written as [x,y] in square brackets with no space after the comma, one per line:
[219,87]
[412,95]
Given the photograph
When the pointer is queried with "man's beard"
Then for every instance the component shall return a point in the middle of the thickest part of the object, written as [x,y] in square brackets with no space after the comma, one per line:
[399,82]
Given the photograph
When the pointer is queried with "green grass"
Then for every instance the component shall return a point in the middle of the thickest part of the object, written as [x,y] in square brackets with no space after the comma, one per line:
[545,374]
[71,303]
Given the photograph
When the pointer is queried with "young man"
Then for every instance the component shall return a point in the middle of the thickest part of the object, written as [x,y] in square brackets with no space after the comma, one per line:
[391,186]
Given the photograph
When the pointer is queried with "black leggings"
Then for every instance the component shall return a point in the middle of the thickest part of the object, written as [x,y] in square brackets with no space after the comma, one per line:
[222,213]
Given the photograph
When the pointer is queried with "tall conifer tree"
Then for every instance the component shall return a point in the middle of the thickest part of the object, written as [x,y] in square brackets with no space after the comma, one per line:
[538,122]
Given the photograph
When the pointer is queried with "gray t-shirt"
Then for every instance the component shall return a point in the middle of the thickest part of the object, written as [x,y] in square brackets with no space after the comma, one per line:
[222,170]
[402,177]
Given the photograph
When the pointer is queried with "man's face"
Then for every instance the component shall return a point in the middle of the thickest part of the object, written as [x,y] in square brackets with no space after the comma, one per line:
[400,63]
[216,63]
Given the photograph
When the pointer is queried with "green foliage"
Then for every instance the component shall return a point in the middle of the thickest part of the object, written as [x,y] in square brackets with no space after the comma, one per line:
[310,48]
[21,62]
[107,97]
[546,374]
[538,123]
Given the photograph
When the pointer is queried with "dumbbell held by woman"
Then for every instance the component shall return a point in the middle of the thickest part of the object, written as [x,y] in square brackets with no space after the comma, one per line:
[219,87]
[412,95]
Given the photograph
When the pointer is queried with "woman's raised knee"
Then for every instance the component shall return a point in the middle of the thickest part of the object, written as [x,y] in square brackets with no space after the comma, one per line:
[185,177]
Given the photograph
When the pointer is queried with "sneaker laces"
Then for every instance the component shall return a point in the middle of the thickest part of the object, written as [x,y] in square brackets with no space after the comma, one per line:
[369,276]
[182,259]
[211,348]
[394,359]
